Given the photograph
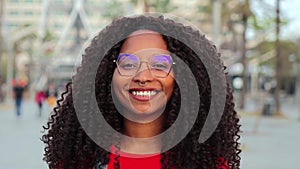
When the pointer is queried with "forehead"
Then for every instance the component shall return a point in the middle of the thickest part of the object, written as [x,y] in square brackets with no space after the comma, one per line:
[143,40]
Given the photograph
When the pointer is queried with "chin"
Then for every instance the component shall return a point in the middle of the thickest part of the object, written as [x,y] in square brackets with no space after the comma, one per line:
[143,115]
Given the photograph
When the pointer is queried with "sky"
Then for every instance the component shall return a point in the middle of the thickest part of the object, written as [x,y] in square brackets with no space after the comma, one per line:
[291,8]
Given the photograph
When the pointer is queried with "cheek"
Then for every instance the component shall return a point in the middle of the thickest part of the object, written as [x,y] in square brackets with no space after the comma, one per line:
[115,76]
[120,84]
[169,86]
[116,82]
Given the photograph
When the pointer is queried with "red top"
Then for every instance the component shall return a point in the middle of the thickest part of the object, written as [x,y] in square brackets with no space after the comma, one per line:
[133,161]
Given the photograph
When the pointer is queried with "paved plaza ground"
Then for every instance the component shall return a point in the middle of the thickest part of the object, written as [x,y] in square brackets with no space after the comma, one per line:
[266,142]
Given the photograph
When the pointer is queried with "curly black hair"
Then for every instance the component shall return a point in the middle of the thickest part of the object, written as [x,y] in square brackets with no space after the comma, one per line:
[69,146]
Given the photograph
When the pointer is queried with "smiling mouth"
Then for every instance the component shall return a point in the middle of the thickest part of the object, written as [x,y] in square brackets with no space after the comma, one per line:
[143,93]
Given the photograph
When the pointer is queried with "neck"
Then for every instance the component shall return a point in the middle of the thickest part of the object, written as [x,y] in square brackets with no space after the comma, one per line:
[145,142]
[143,130]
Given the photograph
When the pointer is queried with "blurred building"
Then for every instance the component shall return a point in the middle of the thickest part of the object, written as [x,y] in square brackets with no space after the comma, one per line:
[59,29]
[40,16]
[63,26]
[74,21]
[18,13]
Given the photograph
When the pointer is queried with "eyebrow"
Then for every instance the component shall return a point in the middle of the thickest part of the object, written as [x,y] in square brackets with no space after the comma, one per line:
[139,56]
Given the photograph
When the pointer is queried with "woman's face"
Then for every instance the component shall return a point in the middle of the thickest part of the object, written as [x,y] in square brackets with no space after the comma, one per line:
[143,95]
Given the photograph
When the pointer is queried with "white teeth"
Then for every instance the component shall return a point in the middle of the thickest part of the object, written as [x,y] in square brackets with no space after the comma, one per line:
[144,93]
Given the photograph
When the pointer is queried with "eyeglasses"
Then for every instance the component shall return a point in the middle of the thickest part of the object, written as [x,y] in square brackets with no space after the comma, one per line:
[159,65]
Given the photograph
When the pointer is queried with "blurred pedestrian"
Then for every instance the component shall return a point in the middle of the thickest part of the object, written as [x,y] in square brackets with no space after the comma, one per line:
[18,91]
[39,99]
[1,89]
[51,94]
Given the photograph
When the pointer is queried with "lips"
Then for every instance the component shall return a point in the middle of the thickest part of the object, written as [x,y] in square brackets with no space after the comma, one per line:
[143,94]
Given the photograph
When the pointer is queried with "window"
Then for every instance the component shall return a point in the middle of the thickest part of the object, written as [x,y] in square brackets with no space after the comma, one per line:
[13,26]
[14,1]
[28,13]
[14,13]
[58,1]
[59,13]
[56,25]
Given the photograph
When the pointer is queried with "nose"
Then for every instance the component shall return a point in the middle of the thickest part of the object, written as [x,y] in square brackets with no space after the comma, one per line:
[143,74]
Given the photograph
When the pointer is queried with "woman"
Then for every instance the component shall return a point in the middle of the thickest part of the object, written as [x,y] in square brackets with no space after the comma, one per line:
[154,85]
[39,99]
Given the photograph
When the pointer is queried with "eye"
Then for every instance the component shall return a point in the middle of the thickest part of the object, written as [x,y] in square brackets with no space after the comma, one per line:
[159,66]
[128,66]
[161,62]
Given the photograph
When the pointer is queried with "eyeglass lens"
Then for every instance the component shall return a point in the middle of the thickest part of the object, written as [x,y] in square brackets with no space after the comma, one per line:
[129,64]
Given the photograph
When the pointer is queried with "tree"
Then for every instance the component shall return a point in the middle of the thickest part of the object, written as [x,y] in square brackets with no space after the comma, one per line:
[1,38]
[245,12]
[113,9]
[1,50]
[155,5]
[235,13]
[278,61]
[163,6]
